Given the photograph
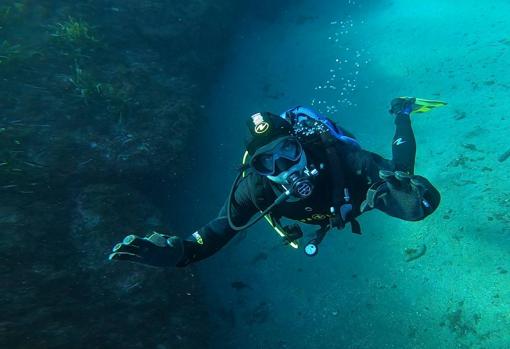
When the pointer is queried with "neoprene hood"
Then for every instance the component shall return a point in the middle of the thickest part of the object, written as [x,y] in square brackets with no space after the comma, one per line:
[264,128]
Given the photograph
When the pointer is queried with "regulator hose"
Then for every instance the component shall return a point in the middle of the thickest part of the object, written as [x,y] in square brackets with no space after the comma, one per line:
[284,196]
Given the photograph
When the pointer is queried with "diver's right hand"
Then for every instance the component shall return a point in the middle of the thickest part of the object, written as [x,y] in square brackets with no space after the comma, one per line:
[155,249]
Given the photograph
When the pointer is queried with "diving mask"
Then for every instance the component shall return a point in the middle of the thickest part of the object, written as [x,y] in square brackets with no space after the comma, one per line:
[277,156]
[283,161]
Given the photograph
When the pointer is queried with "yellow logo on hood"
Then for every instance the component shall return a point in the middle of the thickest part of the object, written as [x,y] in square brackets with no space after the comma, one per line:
[261,126]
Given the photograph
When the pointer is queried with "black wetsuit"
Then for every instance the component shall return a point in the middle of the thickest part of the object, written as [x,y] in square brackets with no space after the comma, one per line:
[360,170]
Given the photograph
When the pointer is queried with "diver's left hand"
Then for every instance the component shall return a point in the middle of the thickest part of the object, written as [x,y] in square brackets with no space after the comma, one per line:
[402,195]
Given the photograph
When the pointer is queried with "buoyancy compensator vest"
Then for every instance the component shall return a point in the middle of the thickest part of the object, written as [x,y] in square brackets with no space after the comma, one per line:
[309,127]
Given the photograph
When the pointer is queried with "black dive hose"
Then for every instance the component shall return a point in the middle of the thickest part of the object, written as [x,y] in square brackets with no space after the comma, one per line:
[278,201]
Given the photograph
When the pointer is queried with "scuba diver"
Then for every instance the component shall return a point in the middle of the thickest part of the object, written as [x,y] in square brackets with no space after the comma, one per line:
[301,166]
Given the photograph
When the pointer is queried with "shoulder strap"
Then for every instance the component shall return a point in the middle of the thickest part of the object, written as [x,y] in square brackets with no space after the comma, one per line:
[336,170]
[342,208]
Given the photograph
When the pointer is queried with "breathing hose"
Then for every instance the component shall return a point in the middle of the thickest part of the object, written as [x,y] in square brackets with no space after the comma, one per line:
[284,196]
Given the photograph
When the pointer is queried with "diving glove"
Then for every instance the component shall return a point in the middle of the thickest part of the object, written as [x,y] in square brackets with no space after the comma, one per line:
[155,249]
[402,195]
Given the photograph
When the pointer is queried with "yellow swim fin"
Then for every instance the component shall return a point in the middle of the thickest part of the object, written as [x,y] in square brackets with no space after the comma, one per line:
[422,105]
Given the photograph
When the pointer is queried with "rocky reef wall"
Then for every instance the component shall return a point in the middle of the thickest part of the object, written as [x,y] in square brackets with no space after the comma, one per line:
[98,98]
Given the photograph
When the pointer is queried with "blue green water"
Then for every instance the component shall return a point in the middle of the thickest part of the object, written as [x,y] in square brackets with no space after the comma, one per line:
[349,60]
[125,117]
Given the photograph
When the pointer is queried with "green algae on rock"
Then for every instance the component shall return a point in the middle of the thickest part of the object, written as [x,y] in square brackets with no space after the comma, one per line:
[94,107]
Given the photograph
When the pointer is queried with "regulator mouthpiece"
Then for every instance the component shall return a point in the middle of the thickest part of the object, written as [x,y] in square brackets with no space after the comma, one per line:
[300,186]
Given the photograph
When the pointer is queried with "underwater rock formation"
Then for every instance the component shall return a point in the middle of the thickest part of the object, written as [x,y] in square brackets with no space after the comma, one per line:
[412,253]
[105,88]
[60,291]
[99,99]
